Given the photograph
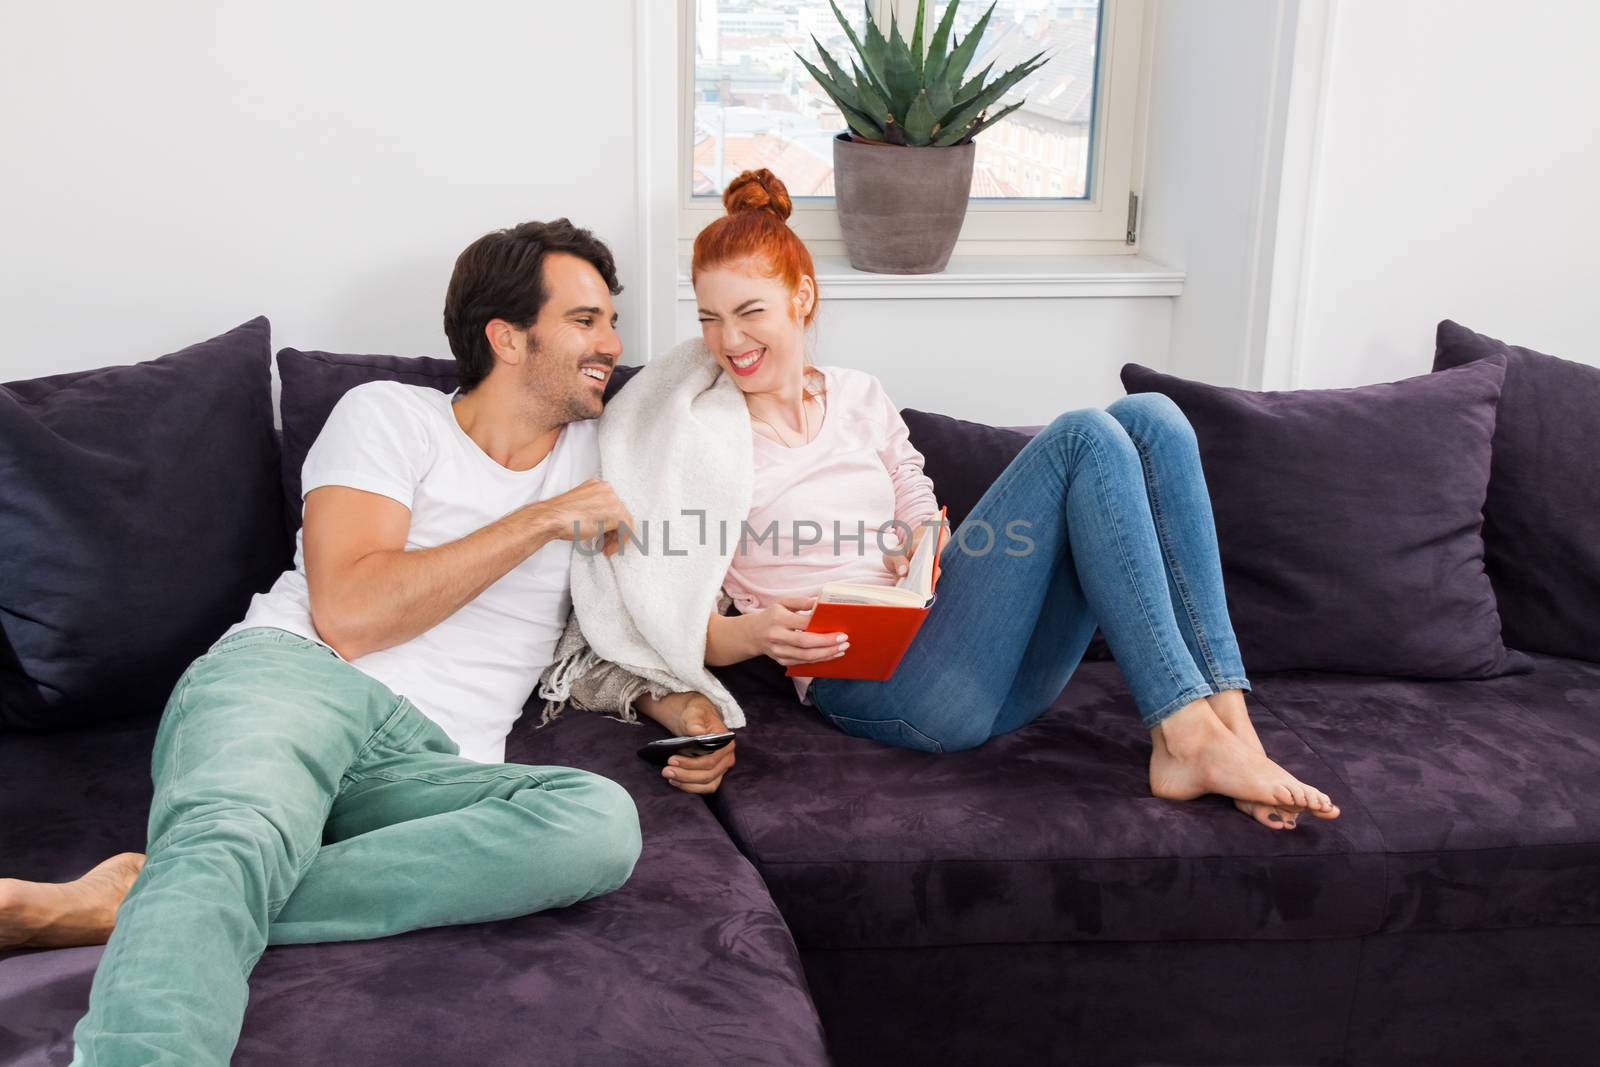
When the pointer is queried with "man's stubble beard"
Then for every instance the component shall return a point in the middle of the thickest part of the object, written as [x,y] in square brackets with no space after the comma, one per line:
[552,391]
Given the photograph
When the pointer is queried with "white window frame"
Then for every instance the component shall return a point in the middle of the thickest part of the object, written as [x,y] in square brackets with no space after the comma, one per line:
[1096,225]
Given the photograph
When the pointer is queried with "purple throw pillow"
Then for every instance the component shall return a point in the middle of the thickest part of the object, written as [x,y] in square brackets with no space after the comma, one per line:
[1541,528]
[313,382]
[140,510]
[962,458]
[1350,521]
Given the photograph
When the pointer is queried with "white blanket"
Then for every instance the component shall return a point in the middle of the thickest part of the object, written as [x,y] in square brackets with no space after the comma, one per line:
[675,445]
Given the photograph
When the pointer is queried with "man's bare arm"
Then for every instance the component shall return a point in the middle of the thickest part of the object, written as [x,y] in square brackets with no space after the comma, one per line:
[368,592]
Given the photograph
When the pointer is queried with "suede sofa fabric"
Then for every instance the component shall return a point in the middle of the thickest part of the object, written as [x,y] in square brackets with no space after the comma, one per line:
[1479,789]
[689,962]
[1542,519]
[313,382]
[1350,520]
[1481,998]
[1463,807]
[138,517]
[1048,833]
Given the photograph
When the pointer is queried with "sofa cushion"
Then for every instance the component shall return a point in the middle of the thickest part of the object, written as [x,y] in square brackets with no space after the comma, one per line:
[313,382]
[139,512]
[1463,807]
[962,458]
[1541,523]
[1481,790]
[689,962]
[1048,833]
[1349,520]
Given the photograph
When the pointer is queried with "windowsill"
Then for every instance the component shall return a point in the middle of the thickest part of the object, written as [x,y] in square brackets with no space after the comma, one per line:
[988,277]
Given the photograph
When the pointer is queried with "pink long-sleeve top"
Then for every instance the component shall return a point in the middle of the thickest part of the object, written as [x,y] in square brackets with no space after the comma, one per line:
[815,510]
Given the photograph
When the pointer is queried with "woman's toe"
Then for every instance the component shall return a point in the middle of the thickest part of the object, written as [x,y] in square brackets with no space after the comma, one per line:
[1265,814]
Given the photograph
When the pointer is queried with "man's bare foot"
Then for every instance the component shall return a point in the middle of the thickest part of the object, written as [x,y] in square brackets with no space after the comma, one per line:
[66,914]
[1194,753]
[1230,707]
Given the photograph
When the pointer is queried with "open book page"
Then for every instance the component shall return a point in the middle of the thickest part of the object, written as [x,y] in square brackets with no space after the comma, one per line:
[912,591]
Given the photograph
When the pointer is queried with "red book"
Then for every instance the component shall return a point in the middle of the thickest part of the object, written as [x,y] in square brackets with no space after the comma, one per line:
[881,620]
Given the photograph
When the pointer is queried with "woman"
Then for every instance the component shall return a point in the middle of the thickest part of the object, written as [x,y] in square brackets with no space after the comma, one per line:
[1113,502]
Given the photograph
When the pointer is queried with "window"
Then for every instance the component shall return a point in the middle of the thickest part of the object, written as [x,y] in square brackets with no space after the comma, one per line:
[1053,177]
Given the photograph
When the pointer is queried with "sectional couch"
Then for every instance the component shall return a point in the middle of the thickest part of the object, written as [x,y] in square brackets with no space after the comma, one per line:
[1414,573]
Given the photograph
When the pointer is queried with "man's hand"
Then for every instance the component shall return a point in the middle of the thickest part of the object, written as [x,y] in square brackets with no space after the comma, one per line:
[688,715]
[585,511]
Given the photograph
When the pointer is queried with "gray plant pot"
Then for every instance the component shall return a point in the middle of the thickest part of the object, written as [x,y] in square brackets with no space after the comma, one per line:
[901,208]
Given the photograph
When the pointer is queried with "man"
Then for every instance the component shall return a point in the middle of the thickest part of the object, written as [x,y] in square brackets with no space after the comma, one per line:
[331,768]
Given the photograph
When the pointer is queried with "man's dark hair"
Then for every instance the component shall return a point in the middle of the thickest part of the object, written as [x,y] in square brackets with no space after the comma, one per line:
[501,276]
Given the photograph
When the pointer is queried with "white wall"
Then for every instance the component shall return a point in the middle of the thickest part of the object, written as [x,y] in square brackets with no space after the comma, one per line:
[180,167]
[1457,174]
[1008,361]
[1216,115]
[170,170]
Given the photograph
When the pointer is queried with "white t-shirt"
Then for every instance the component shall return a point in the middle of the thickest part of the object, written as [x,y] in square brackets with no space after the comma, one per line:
[472,672]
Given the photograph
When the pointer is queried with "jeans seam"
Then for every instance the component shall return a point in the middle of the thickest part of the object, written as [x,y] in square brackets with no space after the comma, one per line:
[372,740]
[301,868]
[1163,536]
[437,779]
[1127,565]
[937,745]
[179,721]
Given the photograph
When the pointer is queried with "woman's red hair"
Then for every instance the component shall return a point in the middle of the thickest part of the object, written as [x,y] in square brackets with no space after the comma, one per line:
[755,227]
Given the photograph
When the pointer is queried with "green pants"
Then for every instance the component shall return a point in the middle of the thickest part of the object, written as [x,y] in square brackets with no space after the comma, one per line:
[298,800]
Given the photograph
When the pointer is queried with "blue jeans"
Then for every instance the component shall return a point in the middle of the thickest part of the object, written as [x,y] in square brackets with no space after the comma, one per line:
[298,800]
[1116,509]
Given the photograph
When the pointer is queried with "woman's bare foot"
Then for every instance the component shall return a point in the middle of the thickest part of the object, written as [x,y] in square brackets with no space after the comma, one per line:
[66,914]
[1194,753]
[1230,707]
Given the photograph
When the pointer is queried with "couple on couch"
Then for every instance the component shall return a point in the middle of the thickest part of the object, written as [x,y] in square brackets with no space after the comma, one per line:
[331,768]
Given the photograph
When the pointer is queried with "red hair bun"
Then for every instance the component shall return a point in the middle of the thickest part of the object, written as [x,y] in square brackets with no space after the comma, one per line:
[757,190]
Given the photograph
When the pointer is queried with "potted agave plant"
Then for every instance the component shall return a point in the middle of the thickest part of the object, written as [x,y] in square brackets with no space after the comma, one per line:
[903,173]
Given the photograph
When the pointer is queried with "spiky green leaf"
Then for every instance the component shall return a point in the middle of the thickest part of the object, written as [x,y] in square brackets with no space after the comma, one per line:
[861,126]
[835,83]
[965,112]
[938,48]
[872,101]
[919,120]
[916,38]
[973,87]
[855,42]
[966,48]
[875,57]
[848,101]
[836,72]
[901,71]
[983,122]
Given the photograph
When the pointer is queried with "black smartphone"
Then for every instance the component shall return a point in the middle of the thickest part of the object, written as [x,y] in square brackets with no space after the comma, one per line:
[658,752]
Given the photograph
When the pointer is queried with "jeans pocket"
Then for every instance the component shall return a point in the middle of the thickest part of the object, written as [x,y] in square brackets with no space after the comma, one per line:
[896,732]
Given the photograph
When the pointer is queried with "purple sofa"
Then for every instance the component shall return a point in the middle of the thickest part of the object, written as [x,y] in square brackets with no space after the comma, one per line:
[1027,901]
